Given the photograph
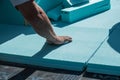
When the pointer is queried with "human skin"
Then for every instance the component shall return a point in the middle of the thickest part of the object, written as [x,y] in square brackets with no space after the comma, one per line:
[35,15]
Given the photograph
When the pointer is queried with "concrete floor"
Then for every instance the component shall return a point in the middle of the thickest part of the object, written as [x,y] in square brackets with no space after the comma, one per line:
[17,73]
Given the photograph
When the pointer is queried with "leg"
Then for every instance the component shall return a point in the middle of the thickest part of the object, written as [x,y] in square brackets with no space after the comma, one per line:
[40,22]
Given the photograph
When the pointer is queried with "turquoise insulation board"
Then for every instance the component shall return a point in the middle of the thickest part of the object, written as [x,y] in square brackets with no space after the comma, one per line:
[76,13]
[19,44]
[48,4]
[69,3]
[8,14]
[106,60]
[55,13]
[95,44]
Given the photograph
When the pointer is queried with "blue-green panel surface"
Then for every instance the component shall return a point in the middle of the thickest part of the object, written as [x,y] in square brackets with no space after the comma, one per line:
[48,4]
[69,3]
[55,13]
[76,13]
[21,45]
[8,14]
[106,60]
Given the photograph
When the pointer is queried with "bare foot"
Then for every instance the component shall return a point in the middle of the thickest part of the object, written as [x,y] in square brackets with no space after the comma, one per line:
[61,40]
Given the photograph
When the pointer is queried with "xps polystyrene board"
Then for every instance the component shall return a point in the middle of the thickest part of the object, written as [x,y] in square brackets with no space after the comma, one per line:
[26,47]
[101,20]
[55,13]
[69,3]
[8,14]
[106,60]
[48,4]
[75,13]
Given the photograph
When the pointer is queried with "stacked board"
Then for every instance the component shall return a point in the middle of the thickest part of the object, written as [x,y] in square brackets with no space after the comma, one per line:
[31,49]
[79,12]
[106,59]
[95,46]
[10,15]
[69,3]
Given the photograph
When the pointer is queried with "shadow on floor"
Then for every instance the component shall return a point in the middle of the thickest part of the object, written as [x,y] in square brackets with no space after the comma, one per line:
[62,75]
[114,37]
[23,74]
[46,49]
[62,24]
[97,76]
[8,32]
